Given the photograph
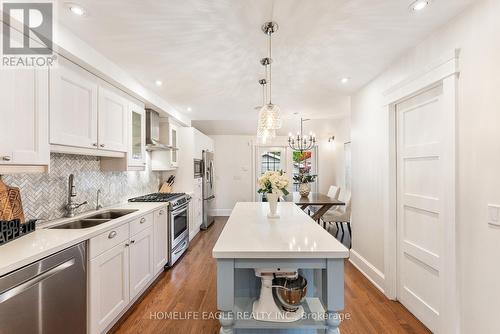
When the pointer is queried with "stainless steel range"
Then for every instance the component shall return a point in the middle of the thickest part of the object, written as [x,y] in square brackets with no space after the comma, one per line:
[178,227]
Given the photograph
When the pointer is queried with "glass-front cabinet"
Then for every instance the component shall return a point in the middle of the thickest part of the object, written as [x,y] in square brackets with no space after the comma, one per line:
[137,146]
[174,156]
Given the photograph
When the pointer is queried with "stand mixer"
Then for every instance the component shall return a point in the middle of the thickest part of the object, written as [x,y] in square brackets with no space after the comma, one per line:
[280,295]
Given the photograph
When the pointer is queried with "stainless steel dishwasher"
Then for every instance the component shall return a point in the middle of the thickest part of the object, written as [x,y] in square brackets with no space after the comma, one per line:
[48,296]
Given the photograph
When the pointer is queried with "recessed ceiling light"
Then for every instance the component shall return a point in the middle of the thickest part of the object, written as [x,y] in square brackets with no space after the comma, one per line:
[76,9]
[419,5]
[344,80]
[189,109]
[158,82]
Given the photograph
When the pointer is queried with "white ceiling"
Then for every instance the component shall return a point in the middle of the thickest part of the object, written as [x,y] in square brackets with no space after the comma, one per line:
[207,52]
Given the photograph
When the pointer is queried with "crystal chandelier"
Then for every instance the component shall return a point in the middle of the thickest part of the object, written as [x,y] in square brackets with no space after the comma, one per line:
[269,114]
[300,142]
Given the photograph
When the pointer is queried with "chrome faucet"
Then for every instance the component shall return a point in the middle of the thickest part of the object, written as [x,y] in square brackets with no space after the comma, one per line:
[70,206]
[98,206]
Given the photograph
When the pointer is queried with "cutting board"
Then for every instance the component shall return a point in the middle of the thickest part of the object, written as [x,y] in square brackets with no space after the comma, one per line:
[10,203]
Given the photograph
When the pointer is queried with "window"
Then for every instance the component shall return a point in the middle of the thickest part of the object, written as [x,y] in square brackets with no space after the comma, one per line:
[270,161]
[304,162]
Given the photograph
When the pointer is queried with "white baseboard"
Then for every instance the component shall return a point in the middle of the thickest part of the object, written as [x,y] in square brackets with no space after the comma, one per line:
[368,270]
[222,212]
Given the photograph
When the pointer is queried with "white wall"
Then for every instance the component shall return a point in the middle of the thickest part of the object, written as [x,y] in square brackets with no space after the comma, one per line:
[233,172]
[477,33]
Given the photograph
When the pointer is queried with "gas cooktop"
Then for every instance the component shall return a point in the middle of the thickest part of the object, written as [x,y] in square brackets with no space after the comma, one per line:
[157,197]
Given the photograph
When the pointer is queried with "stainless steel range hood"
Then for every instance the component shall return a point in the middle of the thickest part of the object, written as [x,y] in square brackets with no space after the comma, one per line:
[153,142]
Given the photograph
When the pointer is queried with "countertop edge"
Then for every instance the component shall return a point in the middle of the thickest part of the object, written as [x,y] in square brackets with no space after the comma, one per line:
[92,232]
[279,255]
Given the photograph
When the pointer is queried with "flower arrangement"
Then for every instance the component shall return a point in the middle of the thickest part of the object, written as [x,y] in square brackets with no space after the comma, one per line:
[304,178]
[273,183]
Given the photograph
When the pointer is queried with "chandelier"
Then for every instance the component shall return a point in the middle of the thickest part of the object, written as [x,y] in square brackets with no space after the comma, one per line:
[300,142]
[269,114]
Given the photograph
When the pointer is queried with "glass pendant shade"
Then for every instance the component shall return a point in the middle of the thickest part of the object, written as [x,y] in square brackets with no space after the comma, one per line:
[269,117]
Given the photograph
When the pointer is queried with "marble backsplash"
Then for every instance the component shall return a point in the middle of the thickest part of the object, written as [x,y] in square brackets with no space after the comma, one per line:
[45,195]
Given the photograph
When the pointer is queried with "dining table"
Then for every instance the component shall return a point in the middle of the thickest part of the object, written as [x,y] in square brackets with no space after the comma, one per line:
[314,199]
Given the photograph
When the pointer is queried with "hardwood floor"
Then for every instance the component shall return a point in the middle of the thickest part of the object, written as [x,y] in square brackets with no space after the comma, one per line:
[191,287]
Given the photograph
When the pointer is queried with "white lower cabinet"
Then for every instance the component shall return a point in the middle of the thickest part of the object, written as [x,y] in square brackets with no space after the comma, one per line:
[121,266]
[141,261]
[109,286]
[161,242]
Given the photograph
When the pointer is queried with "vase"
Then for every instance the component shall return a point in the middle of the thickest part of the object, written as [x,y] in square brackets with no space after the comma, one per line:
[304,189]
[272,199]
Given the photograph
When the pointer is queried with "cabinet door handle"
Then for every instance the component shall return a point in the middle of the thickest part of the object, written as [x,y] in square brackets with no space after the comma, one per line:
[143,220]
[6,158]
[127,244]
[112,234]
[132,241]
[102,145]
[94,144]
[161,213]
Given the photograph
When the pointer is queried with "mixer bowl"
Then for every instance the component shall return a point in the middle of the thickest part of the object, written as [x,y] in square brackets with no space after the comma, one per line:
[289,293]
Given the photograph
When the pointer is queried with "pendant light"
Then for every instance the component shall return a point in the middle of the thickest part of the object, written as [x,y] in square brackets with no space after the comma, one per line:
[269,115]
[262,131]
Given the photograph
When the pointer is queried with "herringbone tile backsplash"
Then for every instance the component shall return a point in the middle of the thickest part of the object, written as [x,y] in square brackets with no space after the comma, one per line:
[44,195]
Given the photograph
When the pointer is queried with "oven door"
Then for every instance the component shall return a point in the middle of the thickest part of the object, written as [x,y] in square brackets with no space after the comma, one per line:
[179,225]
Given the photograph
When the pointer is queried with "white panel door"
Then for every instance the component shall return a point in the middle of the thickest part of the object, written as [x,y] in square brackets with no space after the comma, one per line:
[161,245]
[141,260]
[421,191]
[24,125]
[73,106]
[109,286]
[113,121]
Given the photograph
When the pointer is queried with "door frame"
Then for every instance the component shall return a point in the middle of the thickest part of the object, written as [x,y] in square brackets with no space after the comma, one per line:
[444,71]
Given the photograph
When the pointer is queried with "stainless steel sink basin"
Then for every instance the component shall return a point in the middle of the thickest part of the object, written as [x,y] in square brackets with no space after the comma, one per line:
[94,220]
[111,214]
[82,223]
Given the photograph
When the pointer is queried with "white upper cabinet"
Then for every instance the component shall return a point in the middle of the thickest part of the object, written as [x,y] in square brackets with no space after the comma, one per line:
[73,106]
[137,136]
[173,133]
[24,118]
[113,120]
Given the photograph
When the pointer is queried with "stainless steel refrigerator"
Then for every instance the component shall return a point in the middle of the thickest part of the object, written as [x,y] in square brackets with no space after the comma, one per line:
[208,189]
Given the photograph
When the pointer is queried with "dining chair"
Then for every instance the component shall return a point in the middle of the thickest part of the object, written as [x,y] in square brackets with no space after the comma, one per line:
[341,215]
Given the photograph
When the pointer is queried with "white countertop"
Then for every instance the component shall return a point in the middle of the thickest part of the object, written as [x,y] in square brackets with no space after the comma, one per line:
[44,241]
[250,234]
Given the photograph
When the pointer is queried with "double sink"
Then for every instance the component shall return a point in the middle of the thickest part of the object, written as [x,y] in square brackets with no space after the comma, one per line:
[94,220]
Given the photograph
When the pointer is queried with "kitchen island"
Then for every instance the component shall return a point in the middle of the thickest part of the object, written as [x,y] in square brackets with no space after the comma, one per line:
[251,240]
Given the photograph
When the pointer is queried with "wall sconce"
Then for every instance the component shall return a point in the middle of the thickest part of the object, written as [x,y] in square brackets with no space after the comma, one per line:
[331,139]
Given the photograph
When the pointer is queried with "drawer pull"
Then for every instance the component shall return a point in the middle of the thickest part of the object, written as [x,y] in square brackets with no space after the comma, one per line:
[112,234]
[6,158]
[126,245]
[132,241]
[143,220]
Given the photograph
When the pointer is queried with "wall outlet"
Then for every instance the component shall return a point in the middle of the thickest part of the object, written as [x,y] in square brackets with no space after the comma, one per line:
[494,214]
